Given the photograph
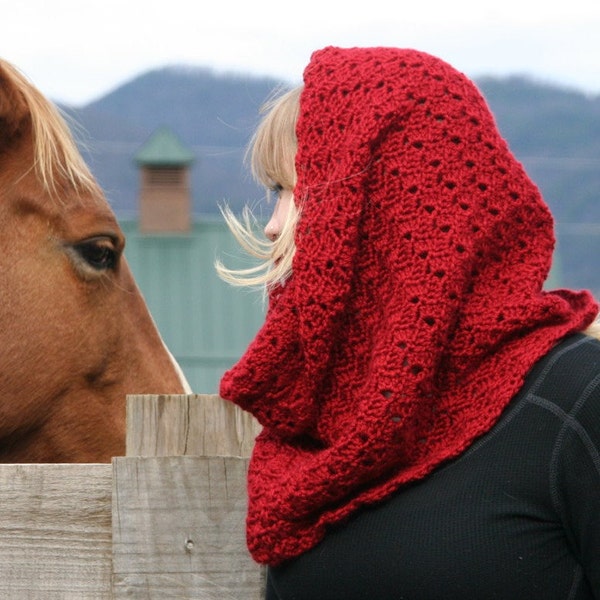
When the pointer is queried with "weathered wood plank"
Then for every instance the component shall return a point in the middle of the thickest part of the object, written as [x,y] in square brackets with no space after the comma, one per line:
[179,425]
[179,529]
[55,532]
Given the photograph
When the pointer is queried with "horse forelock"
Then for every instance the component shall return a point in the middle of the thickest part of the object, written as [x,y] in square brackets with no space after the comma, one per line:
[57,160]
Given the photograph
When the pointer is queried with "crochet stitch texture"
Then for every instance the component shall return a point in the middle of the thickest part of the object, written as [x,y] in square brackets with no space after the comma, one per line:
[415,308]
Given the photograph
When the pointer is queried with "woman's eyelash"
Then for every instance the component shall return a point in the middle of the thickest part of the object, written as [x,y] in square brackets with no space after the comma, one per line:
[276,188]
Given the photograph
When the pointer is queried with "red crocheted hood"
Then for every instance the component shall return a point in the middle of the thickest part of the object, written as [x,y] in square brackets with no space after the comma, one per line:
[415,308]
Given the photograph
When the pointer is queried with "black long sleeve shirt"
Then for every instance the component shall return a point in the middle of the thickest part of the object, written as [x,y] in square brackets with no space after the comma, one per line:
[516,517]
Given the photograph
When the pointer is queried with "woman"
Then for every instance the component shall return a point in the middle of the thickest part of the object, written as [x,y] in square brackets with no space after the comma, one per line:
[431,416]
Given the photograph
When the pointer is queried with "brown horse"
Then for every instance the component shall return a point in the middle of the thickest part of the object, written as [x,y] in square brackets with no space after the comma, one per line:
[75,334]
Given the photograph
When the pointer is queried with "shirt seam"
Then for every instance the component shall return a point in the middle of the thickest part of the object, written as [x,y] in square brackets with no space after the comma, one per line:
[529,390]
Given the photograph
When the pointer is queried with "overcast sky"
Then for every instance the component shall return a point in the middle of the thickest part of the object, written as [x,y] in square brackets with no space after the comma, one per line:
[78,50]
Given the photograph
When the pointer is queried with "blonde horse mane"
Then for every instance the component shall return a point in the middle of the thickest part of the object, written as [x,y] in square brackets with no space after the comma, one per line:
[56,155]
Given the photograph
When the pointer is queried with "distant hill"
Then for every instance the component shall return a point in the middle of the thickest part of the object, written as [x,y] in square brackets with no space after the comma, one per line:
[213,114]
[554,131]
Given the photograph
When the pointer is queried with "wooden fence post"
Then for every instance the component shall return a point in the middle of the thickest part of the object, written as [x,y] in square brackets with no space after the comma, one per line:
[179,510]
[195,425]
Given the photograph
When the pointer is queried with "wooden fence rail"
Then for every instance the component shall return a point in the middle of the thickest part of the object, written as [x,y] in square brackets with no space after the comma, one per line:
[165,521]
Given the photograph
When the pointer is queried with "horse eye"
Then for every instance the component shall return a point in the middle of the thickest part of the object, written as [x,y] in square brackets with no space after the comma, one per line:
[99,253]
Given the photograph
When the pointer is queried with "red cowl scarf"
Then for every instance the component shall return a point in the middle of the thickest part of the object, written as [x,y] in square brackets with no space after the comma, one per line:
[415,308]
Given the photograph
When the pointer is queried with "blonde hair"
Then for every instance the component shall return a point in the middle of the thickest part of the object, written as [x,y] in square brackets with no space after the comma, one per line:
[271,154]
[55,153]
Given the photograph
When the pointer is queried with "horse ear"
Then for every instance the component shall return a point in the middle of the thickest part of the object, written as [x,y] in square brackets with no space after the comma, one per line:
[14,112]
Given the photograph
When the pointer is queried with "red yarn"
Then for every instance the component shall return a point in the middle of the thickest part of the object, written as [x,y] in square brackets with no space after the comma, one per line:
[415,308]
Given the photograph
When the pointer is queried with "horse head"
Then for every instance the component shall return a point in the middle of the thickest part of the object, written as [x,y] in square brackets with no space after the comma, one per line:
[75,334]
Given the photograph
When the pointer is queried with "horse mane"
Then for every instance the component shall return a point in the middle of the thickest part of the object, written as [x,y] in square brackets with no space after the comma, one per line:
[56,156]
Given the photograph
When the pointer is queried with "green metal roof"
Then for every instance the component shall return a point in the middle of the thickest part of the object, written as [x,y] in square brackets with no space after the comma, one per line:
[164,149]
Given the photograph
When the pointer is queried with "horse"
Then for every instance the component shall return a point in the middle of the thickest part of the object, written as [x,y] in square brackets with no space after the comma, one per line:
[75,333]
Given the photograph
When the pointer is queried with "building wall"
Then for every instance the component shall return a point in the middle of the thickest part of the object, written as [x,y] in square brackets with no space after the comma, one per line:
[206,323]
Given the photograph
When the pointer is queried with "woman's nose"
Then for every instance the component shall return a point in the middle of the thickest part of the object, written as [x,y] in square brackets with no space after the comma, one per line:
[275,225]
[273,228]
